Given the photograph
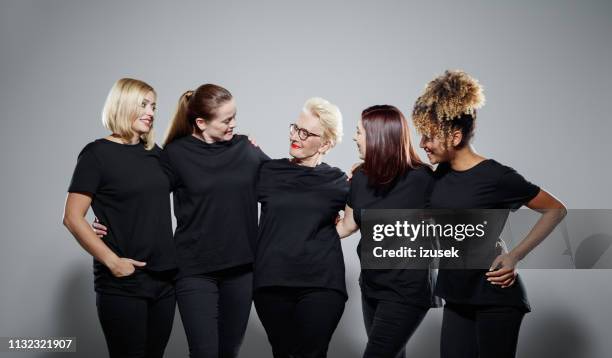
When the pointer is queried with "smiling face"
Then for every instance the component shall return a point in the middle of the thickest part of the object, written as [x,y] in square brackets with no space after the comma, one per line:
[435,149]
[221,127]
[144,121]
[360,140]
[302,149]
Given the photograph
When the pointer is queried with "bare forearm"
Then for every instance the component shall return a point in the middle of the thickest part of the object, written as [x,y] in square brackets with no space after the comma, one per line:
[80,229]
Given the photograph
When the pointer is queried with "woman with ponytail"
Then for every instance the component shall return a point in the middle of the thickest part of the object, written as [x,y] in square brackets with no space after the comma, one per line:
[213,172]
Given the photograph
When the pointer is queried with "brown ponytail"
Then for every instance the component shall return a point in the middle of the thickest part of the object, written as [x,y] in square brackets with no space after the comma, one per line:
[201,103]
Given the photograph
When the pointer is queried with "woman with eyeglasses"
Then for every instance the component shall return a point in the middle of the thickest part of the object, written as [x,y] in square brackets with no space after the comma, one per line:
[392,176]
[299,288]
[121,179]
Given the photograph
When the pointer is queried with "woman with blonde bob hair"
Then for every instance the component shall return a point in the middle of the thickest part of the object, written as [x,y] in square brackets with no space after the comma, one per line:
[299,288]
[121,178]
[125,101]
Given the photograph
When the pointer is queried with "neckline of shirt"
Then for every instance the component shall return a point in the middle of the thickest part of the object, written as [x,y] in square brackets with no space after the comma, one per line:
[126,145]
[218,144]
[469,169]
[318,166]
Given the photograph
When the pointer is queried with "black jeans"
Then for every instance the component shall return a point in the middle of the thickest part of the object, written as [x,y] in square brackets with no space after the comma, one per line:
[215,309]
[299,321]
[471,331]
[138,326]
[389,326]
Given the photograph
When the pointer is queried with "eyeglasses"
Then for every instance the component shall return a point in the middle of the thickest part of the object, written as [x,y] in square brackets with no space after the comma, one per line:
[302,133]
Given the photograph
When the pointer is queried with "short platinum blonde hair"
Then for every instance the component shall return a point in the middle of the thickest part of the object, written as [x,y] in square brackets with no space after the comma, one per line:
[123,105]
[329,116]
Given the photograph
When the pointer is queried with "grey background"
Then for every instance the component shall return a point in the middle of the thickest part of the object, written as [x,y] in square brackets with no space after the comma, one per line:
[545,66]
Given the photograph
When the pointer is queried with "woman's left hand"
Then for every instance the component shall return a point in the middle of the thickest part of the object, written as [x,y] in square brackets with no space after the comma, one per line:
[503,270]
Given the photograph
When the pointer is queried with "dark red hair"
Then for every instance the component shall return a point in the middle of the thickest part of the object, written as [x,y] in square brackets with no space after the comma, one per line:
[389,151]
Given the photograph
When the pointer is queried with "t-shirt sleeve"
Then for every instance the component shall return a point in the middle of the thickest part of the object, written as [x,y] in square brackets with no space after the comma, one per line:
[252,149]
[262,187]
[349,197]
[261,155]
[428,184]
[514,190]
[345,190]
[87,174]
[356,182]
[168,168]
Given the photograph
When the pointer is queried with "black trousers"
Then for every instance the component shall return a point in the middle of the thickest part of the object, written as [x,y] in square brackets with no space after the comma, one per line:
[138,326]
[471,331]
[299,321]
[215,310]
[389,326]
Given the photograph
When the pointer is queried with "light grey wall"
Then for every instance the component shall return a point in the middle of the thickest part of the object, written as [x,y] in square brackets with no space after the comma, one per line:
[545,66]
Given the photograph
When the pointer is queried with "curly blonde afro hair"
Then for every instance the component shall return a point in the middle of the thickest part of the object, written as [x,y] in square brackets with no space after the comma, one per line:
[447,100]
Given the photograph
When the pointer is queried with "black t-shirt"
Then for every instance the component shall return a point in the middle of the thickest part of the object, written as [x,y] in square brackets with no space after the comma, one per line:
[297,244]
[214,202]
[487,185]
[410,191]
[130,196]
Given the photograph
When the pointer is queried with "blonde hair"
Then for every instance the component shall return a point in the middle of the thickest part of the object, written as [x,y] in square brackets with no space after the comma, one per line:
[447,101]
[123,105]
[329,116]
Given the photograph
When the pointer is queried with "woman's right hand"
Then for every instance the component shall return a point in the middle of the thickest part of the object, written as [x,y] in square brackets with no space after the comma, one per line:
[98,228]
[123,267]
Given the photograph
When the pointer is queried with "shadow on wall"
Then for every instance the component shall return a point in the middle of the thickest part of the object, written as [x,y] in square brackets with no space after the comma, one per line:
[554,333]
[591,250]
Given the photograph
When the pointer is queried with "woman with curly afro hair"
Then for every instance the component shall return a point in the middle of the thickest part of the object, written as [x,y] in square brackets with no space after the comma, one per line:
[484,308]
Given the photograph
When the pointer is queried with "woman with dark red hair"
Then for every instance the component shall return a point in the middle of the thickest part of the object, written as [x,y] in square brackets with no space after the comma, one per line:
[391,176]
